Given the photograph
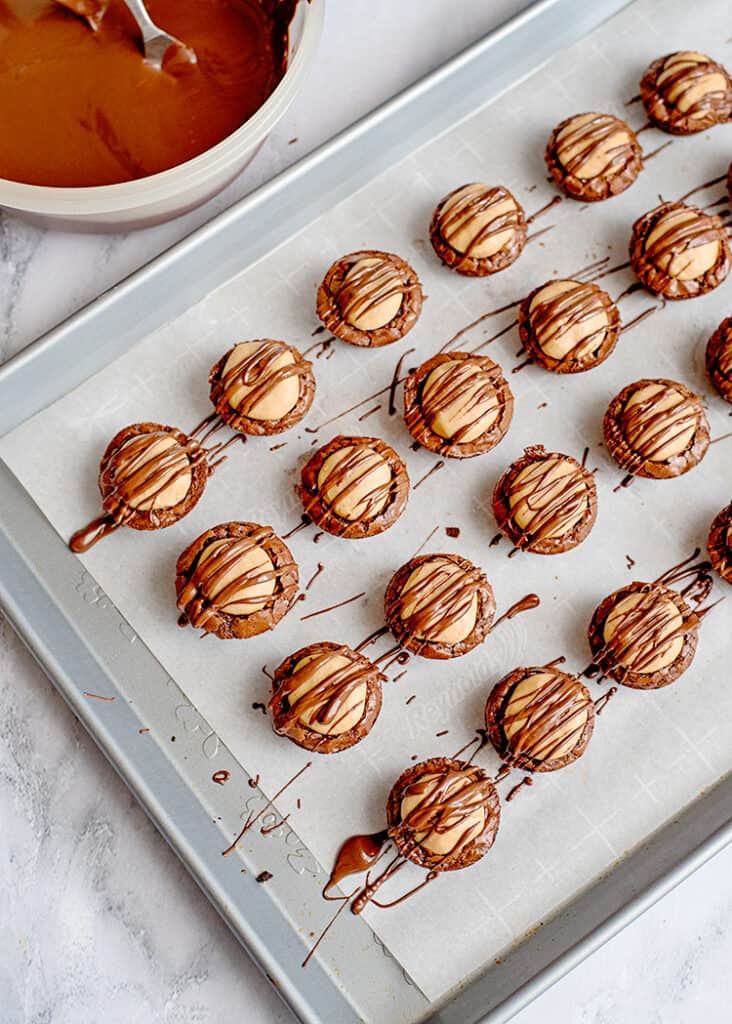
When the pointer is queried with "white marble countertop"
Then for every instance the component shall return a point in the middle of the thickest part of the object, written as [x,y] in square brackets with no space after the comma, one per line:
[98,920]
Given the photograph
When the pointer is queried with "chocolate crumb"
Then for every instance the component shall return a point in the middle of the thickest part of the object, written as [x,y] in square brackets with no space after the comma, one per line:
[264,876]
[443,733]
[253,783]
[630,561]
[452,531]
[410,699]
[257,705]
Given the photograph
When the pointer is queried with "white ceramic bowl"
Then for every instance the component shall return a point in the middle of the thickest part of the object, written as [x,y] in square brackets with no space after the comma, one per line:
[165,195]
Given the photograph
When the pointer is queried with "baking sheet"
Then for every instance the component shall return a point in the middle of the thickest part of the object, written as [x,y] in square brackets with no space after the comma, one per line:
[570,827]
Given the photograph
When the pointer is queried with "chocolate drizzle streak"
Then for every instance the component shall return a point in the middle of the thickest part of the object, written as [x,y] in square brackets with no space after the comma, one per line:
[461,211]
[253,818]
[547,725]
[526,604]
[218,578]
[258,371]
[134,475]
[551,317]
[589,140]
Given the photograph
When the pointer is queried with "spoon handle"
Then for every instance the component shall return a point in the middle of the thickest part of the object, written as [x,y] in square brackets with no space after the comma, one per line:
[147,26]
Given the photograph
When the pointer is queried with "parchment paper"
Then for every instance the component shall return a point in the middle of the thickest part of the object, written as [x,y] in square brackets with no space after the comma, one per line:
[652,752]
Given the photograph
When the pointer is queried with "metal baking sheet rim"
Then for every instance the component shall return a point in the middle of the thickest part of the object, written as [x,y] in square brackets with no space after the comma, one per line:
[109,326]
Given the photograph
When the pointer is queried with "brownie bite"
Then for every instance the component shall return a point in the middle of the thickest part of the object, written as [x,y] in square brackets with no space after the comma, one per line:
[478,229]
[686,92]
[720,544]
[370,298]
[443,814]
[545,502]
[719,359]
[656,428]
[644,635]
[569,326]
[593,156]
[354,487]
[679,252]
[150,476]
[326,697]
[458,404]
[262,387]
[539,719]
[236,580]
[439,606]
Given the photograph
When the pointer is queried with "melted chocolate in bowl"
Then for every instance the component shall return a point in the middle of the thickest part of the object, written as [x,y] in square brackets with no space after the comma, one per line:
[81,107]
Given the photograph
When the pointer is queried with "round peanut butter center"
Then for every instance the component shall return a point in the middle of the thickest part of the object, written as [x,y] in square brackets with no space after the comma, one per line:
[662,616]
[235,561]
[433,594]
[355,481]
[689,263]
[152,471]
[609,134]
[472,220]
[549,488]
[666,428]
[468,828]
[569,329]
[347,716]
[547,735]
[682,93]
[278,399]
[371,294]
[459,400]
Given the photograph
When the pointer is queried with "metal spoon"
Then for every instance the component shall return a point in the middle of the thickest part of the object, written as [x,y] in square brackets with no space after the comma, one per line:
[157,42]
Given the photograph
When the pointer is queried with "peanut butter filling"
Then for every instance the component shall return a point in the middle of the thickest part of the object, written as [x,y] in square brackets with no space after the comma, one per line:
[444,839]
[279,399]
[665,428]
[589,146]
[355,481]
[371,294]
[644,632]
[676,254]
[478,221]
[567,316]
[231,560]
[545,716]
[349,712]
[459,401]
[439,602]
[152,471]
[684,91]
[549,495]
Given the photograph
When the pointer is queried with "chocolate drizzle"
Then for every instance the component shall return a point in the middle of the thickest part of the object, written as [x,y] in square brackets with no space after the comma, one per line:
[545,502]
[466,209]
[330,701]
[219,579]
[368,286]
[452,803]
[259,371]
[547,319]
[326,697]
[657,624]
[677,96]
[526,604]
[545,725]
[656,423]
[476,386]
[425,608]
[138,468]
[579,142]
